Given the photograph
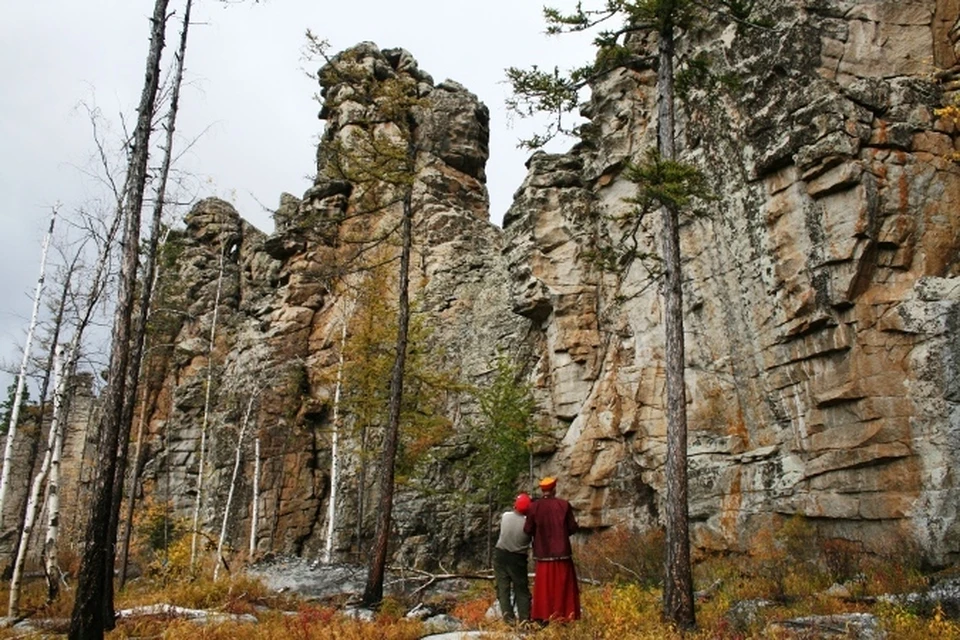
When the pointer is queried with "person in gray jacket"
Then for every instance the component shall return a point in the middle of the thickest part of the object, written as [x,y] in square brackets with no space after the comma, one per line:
[510,562]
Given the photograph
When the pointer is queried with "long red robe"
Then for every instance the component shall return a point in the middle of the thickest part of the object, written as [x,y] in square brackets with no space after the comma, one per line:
[556,594]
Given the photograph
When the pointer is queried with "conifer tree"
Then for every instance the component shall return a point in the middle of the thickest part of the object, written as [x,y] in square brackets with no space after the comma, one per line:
[369,359]
[661,180]
[377,154]
[503,440]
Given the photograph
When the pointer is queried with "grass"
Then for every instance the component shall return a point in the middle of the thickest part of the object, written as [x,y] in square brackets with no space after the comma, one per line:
[614,611]
[789,569]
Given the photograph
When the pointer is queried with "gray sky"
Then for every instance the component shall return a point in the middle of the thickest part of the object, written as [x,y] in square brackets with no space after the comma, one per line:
[247,94]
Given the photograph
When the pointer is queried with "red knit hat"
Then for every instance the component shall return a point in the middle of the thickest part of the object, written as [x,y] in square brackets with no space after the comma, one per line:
[522,503]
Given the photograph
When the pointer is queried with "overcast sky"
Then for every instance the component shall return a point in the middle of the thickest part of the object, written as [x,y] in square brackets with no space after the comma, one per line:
[247,95]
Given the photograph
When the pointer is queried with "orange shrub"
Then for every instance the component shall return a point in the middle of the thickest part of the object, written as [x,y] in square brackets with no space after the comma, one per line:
[472,612]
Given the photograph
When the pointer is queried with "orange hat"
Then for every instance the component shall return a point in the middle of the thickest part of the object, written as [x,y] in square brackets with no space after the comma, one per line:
[522,503]
[548,483]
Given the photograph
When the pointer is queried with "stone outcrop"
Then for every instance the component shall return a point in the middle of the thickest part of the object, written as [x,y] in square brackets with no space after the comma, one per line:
[821,290]
[279,325]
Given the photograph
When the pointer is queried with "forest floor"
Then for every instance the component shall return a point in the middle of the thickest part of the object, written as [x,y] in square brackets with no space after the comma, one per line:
[291,598]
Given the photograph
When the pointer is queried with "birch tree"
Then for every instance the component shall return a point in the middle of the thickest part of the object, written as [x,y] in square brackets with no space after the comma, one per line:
[58,310]
[59,408]
[255,498]
[65,360]
[22,375]
[238,450]
[334,448]
[33,499]
[51,562]
[208,390]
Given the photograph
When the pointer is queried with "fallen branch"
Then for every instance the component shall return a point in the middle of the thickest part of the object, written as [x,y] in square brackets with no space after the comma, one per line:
[173,611]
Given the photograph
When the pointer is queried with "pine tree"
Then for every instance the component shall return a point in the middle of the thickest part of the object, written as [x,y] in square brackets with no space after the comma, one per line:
[661,180]
[378,158]
[503,441]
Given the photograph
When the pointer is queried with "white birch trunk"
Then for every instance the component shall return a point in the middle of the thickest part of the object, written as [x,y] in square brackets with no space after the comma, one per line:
[33,500]
[206,415]
[334,449]
[255,507]
[51,542]
[21,377]
[233,487]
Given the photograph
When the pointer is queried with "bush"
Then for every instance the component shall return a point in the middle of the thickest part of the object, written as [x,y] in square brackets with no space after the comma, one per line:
[161,543]
[783,559]
[841,558]
[621,555]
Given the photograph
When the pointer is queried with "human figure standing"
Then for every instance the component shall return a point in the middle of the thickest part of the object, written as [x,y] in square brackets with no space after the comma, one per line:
[550,521]
[510,562]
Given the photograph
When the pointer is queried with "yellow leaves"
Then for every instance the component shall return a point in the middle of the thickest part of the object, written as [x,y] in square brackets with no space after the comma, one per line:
[950,112]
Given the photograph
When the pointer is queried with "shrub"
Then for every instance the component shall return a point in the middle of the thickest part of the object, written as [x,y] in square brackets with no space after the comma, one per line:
[622,555]
[472,612]
[783,559]
[841,558]
[160,542]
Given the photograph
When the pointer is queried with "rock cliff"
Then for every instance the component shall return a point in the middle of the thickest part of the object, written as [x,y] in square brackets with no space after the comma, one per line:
[821,288]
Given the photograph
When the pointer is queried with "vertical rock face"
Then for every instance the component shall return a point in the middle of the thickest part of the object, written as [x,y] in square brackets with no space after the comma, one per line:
[821,296]
[278,328]
[821,286]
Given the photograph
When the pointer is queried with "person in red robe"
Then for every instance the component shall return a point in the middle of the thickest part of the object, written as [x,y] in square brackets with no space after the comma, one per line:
[550,521]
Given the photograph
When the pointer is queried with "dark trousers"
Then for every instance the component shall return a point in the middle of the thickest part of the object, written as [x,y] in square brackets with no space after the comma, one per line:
[510,570]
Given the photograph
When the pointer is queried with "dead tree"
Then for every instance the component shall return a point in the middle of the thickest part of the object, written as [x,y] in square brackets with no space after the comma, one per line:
[22,375]
[94,596]
[140,332]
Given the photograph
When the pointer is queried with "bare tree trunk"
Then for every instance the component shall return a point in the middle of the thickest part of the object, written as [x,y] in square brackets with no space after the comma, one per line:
[334,448]
[132,495]
[44,388]
[255,507]
[65,366]
[51,561]
[22,376]
[146,303]
[373,591]
[206,415]
[93,607]
[33,499]
[233,486]
[361,488]
[140,332]
[678,586]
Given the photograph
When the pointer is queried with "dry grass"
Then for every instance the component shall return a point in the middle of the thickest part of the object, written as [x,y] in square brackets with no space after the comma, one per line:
[624,601]
[614,611]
